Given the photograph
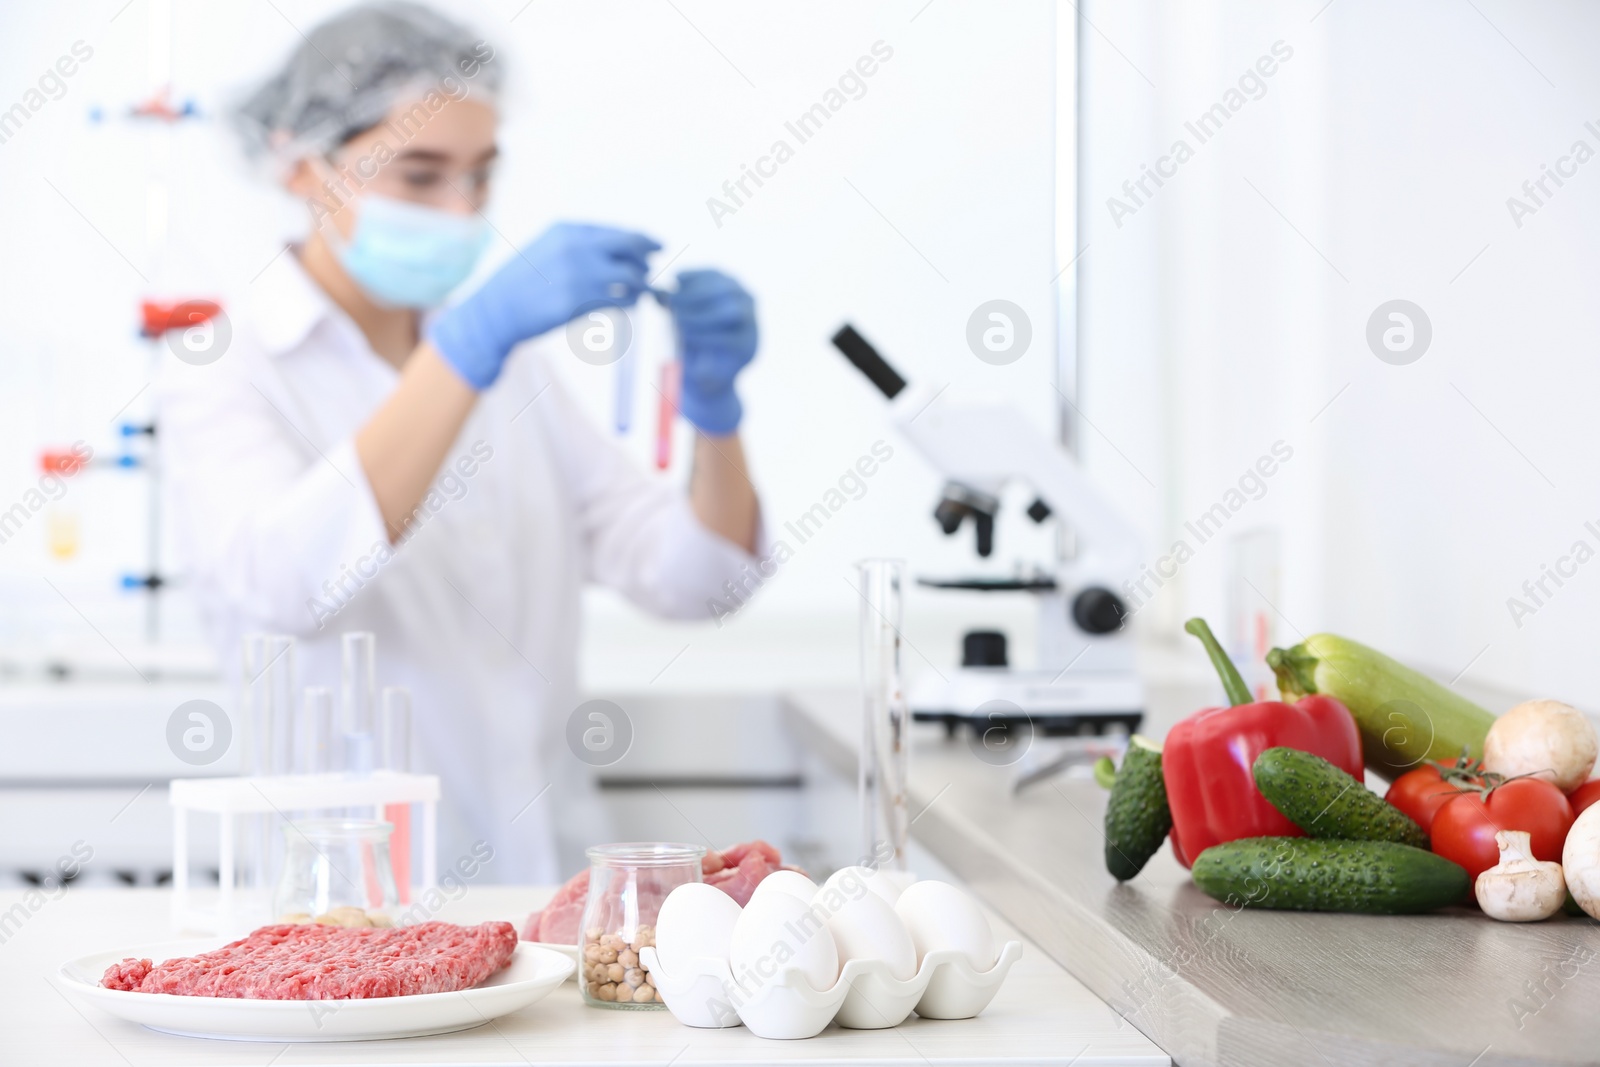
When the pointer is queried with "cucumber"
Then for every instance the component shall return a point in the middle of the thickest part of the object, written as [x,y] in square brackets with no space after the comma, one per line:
[1404,717]
[1304,874]
[1137,816]
[1324,801]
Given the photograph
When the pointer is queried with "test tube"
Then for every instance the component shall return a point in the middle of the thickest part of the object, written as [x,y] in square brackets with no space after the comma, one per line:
[627,368]
[252,656]
[668,390]
[358,689]
[275,702]
[396,729]
[252,750]
[271,685]
[396,756]
[667,411]
[316,719]
[358,681]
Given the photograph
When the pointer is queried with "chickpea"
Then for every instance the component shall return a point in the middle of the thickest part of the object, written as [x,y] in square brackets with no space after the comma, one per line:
[343,917]
[612,971]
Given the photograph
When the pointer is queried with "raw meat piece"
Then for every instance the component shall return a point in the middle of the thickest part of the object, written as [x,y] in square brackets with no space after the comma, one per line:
[744,866]
[557,923]
[126,975]
[313,962]
[735,855]
[736,870]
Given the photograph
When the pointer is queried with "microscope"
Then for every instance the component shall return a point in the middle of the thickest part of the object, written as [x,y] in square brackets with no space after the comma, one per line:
[1085,683]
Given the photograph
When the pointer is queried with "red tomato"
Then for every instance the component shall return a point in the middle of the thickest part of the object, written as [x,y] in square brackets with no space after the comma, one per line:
[1463,830]
[1583,796]
[1421,793]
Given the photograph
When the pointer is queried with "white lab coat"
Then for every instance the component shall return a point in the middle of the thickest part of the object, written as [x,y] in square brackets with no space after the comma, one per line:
[478,609]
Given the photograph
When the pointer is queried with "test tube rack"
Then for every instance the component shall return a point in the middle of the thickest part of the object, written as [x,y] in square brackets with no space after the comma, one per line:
[236,911]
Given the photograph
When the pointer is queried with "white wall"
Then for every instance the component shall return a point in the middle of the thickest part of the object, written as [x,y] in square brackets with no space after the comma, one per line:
[632,113]
[1221,316]
[1226,316]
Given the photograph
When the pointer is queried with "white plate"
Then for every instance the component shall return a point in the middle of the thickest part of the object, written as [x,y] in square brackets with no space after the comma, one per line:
[532,974]
[569,951]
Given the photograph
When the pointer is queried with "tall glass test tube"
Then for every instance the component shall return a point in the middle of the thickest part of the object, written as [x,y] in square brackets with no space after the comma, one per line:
[253,660]
[317,736]
[251,853]
[267,711]
[358,695]
[884,764]
[394,754]
[274,703]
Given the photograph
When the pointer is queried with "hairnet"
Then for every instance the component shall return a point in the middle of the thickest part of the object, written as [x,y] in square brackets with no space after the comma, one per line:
[351,70]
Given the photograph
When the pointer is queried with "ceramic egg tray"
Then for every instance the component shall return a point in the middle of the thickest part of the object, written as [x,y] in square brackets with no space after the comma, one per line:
[866,995]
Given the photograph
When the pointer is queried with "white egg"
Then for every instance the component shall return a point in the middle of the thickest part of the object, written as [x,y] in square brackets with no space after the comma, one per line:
[695,920]
[776,932]
[886,884]
[939,916]
[794,883]
[890,884]
[864,927]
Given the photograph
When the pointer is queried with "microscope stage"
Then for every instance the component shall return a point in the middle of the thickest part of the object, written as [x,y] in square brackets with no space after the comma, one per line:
[1054,703]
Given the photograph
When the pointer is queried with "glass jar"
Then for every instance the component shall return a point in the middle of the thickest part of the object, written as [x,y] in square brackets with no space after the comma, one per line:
[337,871]
[627,884]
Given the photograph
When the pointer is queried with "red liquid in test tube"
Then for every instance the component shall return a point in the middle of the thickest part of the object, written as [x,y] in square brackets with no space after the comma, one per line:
[396,756]
[667,411]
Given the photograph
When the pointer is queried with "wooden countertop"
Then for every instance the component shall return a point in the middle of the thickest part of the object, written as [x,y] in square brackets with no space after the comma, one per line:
[1213,985]
[1041,1015]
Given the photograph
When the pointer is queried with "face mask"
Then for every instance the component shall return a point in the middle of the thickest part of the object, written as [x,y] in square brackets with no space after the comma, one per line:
[405,255]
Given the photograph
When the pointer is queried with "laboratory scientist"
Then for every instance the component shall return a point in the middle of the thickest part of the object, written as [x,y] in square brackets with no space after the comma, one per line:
[368,456]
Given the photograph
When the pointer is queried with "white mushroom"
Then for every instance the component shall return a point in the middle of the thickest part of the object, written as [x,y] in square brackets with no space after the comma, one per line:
[1545,738]
[1520,889]
[1580,861]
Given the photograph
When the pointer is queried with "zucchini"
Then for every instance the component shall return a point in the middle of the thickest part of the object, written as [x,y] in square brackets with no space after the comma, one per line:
[1404,717]
[1325,802]
[1137,816]
[1304,874]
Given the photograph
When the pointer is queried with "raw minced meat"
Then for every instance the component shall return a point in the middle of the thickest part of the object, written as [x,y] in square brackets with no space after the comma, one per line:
[313,962]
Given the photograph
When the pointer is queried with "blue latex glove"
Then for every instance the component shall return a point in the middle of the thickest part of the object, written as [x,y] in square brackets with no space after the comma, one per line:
[716,323]
[572,268]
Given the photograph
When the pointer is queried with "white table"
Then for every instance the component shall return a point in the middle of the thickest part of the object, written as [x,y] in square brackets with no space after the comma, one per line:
[1041,1015]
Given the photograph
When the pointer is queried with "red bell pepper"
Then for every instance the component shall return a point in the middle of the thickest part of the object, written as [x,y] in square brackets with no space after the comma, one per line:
[1207,758]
